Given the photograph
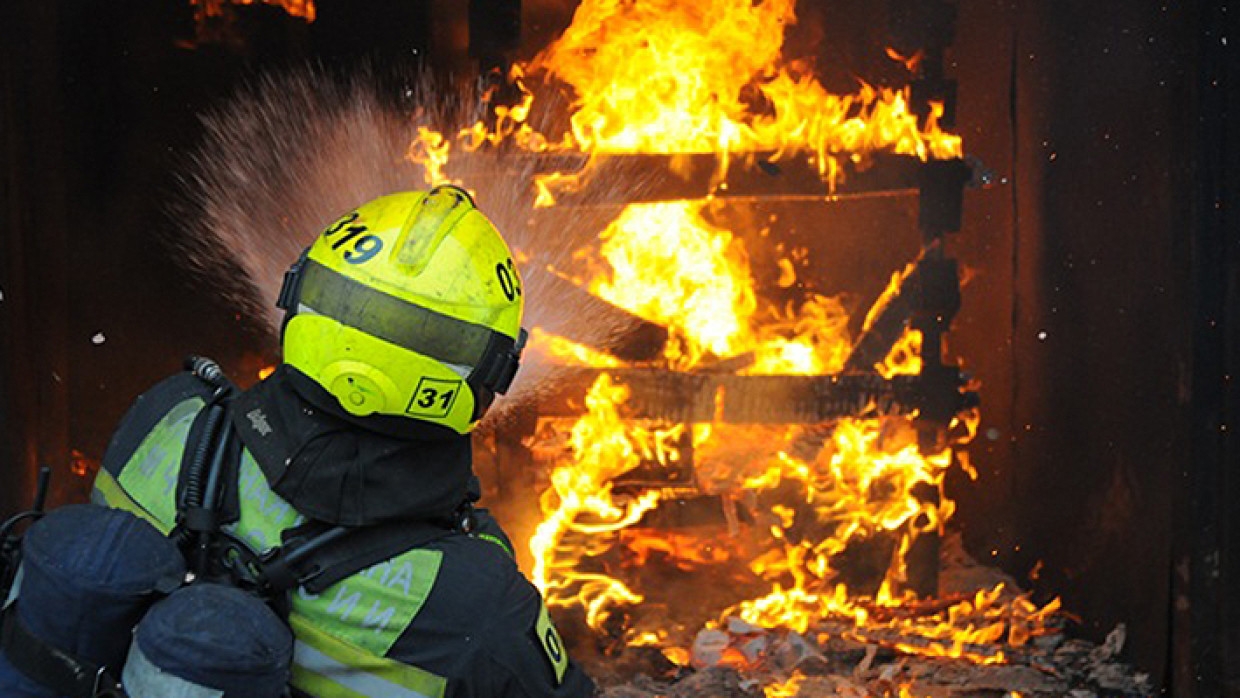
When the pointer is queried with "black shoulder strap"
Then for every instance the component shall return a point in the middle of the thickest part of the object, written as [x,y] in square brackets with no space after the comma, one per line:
[317,555]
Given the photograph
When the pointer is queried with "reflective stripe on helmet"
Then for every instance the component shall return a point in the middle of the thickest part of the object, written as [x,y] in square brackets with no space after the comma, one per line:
[491,356]
[329,668]
[142,679]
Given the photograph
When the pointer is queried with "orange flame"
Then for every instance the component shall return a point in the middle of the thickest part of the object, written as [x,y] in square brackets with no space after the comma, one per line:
[580,500]
[710,77]
[431,150]
[81,464]
[568,351]
[674,77]
[218,8]
[905,355]
[668,265]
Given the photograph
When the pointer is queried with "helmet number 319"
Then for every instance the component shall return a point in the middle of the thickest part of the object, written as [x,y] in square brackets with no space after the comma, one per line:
[362,246]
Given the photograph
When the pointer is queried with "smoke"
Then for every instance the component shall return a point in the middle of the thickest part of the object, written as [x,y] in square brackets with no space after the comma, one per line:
[292,152]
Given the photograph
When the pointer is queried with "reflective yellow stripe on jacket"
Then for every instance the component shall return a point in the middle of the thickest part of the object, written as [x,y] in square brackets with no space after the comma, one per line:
[326,667]
[147,484]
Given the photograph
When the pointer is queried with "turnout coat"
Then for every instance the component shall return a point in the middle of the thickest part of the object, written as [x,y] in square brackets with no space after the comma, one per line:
[453,618]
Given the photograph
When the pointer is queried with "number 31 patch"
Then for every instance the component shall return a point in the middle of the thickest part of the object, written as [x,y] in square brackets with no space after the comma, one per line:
[551,644]
[433,397]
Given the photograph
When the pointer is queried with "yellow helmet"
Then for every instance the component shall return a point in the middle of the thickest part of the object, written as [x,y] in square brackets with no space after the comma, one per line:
[409,306]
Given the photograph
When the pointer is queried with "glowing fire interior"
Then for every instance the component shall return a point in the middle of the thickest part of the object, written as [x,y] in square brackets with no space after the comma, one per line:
[676,77]
[204,9]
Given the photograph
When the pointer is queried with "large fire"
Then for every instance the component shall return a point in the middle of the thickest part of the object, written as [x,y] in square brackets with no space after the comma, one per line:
[676,77]
[709,77]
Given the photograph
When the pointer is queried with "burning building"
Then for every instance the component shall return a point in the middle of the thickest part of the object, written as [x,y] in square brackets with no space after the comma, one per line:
[870,349]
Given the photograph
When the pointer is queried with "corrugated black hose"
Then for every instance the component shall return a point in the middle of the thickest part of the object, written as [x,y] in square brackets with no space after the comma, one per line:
[200,498]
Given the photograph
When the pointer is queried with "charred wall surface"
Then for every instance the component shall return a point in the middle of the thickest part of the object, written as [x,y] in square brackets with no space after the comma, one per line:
[1101,347]
[1100,314]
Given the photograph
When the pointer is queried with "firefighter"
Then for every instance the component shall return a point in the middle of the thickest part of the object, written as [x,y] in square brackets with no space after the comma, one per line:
[403,321]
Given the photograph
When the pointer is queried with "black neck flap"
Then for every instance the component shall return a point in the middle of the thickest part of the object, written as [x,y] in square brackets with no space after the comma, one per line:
[336,468]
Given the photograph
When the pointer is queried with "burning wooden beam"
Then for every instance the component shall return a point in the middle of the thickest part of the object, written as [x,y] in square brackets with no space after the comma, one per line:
[930,289]
[585,180]
[750,176]
[716,397]
[629,337]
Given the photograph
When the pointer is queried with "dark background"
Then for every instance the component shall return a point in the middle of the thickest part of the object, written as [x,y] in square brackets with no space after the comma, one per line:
[1101,311]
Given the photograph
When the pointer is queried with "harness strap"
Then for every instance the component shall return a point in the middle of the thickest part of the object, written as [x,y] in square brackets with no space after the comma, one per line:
[317,555]
[50,666]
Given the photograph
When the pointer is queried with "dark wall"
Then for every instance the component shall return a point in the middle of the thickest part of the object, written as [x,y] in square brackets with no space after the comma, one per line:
[1102,348]
[103,103]
[34,410]
[1108,451]
[1207,559]
[101,108]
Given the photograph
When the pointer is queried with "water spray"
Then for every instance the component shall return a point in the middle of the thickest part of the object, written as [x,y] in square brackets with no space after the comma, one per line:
[288,155]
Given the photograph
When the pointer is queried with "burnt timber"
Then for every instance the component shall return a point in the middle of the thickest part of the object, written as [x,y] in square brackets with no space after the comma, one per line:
[680,397]
[583,179]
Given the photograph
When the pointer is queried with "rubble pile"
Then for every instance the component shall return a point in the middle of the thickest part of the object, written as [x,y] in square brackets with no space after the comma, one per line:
[893,654]
[743,661]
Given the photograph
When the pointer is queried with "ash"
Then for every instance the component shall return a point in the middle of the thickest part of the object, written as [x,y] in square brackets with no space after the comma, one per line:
[791,665]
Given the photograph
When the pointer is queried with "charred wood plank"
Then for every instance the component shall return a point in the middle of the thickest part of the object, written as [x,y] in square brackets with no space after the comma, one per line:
[927,295]
[612,329]
[749,176]
[678,397]
[586,180]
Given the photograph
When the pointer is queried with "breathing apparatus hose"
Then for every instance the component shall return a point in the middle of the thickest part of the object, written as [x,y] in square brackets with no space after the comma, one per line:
[195,468]
[202,482]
